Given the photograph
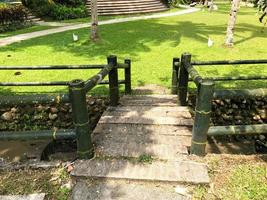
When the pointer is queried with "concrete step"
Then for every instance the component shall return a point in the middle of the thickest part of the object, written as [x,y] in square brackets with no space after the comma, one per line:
[131,12]
[125,6]
[156,171]
[149,100]
[124,191]
[108,7]
[163,115]
[148,111]
[128,3]
[143,131]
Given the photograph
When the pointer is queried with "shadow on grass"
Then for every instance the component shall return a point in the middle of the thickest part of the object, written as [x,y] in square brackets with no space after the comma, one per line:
[131,38]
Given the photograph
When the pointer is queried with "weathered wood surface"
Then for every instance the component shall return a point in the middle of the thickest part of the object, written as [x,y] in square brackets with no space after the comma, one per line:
[171,171]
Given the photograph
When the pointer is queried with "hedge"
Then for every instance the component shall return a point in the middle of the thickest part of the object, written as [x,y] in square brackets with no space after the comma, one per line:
[57,9]
[12,17]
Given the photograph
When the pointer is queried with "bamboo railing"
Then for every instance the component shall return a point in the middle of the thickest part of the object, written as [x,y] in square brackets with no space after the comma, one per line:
[76,96]
[184,71]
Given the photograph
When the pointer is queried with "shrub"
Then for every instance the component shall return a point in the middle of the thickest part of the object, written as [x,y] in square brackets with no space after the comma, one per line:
[61,12]
[57,9]
[12,17]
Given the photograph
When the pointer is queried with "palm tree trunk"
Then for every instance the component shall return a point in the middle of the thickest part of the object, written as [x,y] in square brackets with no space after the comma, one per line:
[94,20]
[229,41]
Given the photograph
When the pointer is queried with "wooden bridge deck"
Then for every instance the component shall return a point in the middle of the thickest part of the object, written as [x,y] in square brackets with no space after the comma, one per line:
[144,127]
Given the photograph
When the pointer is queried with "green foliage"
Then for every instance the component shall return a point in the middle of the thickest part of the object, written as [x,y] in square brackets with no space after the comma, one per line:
[145,159]
[57,10]
[12,17]
[61,12]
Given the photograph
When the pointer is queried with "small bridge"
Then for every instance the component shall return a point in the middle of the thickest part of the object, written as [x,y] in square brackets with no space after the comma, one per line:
[144,139]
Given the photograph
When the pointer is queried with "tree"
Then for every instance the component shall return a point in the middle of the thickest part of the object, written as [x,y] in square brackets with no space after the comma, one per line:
[229,41]
[94,20]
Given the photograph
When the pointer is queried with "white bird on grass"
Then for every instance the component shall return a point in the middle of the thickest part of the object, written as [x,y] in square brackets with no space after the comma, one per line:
[75,37]
[210,42]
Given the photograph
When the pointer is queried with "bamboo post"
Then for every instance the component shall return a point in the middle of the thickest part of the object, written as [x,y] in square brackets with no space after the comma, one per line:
[127,75]
[202,117]
[113,81]
[81,121]
[175,69]
[183,79]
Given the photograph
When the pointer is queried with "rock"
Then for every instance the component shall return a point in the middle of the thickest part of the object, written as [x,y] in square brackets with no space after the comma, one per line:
[7,116]
[67,185]
[92,102]
[52,116]
[53,110]
[262,137]
[40,108]
[13,110]
[256,117]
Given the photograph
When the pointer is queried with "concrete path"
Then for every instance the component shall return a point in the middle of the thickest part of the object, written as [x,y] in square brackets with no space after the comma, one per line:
[27,36]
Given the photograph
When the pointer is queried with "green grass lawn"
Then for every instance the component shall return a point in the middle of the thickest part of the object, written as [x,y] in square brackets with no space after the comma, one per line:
[151,44]
[25,30]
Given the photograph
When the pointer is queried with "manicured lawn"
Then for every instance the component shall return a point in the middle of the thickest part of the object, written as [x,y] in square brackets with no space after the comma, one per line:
[151,44]
[25,30]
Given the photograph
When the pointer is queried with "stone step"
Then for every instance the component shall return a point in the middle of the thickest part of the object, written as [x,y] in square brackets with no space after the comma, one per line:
[117,7]
[156,171]
[127,7]
[120,4]
[133,141]
[130,12]
[149,100]
[135,150]
[147,113]
[124,191]
[143,131]
[146,120]
[125,1]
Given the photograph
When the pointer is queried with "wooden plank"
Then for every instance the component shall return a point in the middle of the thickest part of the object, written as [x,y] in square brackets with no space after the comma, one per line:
[146,120]
[140,129]
[171,171]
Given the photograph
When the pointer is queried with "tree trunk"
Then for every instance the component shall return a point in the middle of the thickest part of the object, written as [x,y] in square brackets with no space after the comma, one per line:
[94,22]
[229,41]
